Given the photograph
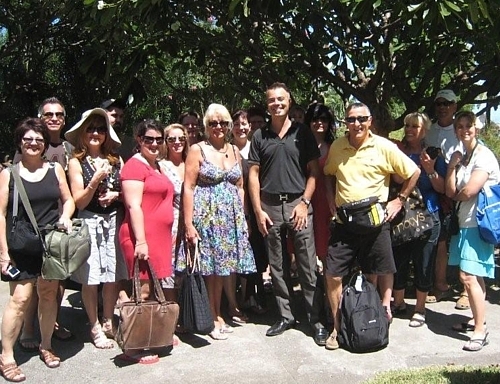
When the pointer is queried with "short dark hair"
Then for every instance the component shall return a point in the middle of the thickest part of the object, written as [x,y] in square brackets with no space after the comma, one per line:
[144,126]
[50,100]
[189,113]
[239,113]
[277,84]
[31,124]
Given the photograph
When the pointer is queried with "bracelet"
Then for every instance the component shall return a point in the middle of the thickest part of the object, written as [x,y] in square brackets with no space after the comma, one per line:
[141,243]
[90,187]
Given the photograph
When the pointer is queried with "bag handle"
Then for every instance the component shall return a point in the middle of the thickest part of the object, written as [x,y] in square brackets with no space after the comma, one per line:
[192,260]
[159,296]
[18,185]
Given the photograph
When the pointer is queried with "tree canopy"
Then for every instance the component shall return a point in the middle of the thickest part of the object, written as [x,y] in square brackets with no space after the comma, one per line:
[176,55]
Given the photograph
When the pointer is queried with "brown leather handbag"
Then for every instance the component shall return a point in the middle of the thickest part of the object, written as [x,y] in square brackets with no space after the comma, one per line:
[146,323]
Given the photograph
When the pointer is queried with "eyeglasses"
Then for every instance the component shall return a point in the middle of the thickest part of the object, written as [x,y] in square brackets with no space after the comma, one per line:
[150,140]
[443,103]
[361,119]
[50,115]
[214,124]
[173,139]
[29,140]
[100,130]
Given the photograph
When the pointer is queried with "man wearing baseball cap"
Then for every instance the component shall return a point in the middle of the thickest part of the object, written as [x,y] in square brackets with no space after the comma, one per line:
[442,135]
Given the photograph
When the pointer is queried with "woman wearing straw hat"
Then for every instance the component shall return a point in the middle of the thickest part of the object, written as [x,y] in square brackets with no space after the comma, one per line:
[94,175]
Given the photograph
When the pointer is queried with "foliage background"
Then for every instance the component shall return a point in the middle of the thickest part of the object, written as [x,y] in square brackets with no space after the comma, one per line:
[172,56]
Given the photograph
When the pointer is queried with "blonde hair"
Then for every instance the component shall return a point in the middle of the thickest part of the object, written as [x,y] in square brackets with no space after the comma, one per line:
[169,128]
[417,116]
[217,110]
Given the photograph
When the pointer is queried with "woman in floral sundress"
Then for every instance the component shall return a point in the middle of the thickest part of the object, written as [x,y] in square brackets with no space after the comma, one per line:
[214,211]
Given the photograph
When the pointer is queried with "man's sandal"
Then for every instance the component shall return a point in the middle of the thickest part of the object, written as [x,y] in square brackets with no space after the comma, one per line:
[11,372]
[50,359]
[476,344]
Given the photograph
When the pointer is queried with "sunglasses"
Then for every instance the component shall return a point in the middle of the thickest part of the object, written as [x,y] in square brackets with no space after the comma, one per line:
[214,124]
[29,140]
[173,139]
[150,140]
[50,115]
[443,103]
[100,130]
[361,119]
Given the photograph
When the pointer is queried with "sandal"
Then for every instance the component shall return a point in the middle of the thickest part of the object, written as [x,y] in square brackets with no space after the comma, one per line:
[218,334]
[239,317]
[50,359]
[29,344]
[11,372]
[62,334]
[463,301]
[99,338]
[107,328]
[398,310]
[476,344]
[464,327]
[226,328]
[417,320]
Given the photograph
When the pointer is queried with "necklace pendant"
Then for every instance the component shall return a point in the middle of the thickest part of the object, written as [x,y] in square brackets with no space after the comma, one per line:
[227,156]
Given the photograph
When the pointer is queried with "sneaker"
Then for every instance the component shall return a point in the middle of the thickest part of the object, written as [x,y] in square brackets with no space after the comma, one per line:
[331,342]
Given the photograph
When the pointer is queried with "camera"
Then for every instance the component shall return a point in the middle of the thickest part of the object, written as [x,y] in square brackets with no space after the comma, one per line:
[433,152]
[13,272]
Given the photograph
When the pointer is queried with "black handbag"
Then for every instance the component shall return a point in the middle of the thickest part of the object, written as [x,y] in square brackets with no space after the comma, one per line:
[63,252]
[195,314]
[453,225]
[22,238]
[413,221]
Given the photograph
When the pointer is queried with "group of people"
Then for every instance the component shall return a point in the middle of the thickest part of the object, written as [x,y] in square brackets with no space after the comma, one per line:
[250,191]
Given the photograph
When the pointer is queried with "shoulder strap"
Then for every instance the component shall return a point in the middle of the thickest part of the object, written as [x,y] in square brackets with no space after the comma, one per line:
[24,199]
[15,194]
[202,153]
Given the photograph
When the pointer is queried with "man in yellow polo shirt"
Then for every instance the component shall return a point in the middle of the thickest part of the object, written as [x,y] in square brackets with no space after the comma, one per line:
[359,166]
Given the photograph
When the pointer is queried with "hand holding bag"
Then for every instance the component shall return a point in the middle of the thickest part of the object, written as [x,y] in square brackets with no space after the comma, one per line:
[146,323]
[195,315]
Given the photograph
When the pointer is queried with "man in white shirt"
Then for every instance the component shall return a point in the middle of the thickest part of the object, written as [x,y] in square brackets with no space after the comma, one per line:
[442,135]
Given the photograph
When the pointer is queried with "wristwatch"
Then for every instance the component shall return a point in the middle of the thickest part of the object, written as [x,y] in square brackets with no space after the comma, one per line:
[305,201]
[402,197]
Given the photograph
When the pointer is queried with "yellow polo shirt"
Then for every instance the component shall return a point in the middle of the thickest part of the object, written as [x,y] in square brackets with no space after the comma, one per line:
[366,172]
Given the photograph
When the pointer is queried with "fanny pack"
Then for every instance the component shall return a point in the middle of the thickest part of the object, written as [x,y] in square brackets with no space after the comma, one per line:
[362,216]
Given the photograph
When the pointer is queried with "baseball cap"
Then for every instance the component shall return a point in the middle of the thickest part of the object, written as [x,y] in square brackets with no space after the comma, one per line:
[447,94]
[113,103]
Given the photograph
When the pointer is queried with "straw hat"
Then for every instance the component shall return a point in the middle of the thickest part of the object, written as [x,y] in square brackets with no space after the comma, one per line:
[74,133]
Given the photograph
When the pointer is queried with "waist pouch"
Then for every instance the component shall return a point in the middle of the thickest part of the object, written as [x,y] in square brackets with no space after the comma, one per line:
[362,216]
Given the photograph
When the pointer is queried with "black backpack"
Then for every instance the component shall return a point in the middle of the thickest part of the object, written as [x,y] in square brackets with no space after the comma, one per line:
[364,326]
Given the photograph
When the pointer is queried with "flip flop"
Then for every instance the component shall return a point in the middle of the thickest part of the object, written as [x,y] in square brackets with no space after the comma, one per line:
[417,320]
[139,358]
[474,345]
[24,344]
[464,327]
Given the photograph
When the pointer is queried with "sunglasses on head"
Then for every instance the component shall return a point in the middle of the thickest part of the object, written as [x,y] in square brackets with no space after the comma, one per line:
[100,130]
[352,119]
[150,140]
[443,103]
[214,124]
[173,139]
[50,115]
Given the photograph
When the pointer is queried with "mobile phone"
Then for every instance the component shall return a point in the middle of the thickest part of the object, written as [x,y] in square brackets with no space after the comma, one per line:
[13,272]
[433,152]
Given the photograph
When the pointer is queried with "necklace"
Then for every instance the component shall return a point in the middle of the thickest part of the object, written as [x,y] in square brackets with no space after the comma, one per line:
[224,152]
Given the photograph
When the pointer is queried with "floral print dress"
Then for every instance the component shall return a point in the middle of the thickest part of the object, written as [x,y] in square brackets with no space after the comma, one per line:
[219,218]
